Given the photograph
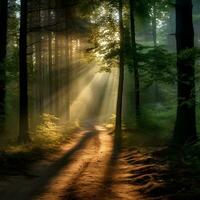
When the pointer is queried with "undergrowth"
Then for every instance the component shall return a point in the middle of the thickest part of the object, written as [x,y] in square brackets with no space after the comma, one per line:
[153,128]
[49,135]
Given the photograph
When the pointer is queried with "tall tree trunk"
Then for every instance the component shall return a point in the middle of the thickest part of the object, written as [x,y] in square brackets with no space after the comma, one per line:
[135,63]
[185,127]
[68,73]
[155,43]
[3,45]
[154,24]
[118,125]
[57,65]
[67,77]
[23,132]
[171,44]
[50,96]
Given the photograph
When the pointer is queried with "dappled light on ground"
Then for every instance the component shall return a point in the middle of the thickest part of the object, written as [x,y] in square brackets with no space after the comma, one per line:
[78,172]
[91,167]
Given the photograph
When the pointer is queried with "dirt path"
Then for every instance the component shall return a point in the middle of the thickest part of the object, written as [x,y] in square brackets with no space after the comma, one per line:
[87,168]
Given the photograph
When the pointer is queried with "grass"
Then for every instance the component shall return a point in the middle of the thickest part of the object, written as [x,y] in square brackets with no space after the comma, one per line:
[154,128]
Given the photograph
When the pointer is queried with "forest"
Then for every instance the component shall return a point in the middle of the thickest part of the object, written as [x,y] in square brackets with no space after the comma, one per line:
[99,99]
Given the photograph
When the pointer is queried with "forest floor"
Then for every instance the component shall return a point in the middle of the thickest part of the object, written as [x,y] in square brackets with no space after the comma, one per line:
[89,167]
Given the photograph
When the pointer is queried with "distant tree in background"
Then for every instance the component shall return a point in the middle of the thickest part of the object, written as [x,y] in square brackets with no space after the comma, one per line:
[24,127]
[3,47]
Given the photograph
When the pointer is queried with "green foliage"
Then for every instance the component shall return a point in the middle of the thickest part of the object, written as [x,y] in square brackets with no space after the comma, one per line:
[153,128]
[191,156]
[156,65]
[13,25]
[104,36]
[12,63]
[48,131]
[50,134]
[52,131]
[190,53]
[157,118]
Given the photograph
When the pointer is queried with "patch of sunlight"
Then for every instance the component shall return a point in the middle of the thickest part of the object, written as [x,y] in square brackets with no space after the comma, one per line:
[52,130]
[100,128]
[49,130]
[110,124]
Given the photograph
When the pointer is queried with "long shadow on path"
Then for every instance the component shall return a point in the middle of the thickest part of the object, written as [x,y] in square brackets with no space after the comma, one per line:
[36,187]
[64,161]
[106,190]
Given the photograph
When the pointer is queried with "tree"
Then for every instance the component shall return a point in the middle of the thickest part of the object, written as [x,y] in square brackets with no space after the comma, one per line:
[134,54]
[3,45]
[23,132]
[154,23]
[185,127]
[121,74]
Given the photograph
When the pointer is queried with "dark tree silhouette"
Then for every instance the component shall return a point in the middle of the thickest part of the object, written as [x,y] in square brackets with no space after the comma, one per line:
[134,54]
[3,45]
[185,127]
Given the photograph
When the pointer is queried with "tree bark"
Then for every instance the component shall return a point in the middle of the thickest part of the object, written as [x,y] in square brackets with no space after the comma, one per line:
[50,60]
[3,46]
[23,132]
[135,63]
[185,127]
[118,125]
[57,65]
